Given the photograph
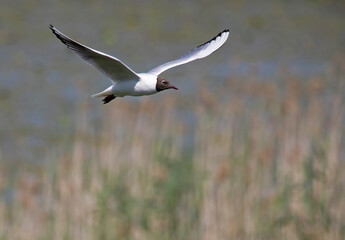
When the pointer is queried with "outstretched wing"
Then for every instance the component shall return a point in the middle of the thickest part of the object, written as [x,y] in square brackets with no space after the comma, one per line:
[199,52]
[109,65]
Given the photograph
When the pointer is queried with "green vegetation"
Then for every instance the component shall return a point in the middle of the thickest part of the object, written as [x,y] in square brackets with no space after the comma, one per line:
[251,147]
[272,169]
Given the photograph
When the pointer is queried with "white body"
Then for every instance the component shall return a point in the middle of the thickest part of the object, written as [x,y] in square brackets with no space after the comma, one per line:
[146,85]
[125,81]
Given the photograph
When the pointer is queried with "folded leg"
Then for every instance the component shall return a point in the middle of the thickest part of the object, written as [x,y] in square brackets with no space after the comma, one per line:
[108,98]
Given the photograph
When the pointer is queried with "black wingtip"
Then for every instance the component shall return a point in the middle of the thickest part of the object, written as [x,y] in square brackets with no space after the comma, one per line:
[53,29]
[224,31]
[218,35]
[57,34]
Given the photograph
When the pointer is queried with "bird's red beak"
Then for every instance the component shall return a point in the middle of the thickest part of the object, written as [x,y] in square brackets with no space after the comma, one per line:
[173,87]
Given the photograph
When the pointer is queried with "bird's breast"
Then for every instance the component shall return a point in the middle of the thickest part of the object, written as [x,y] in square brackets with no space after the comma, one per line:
[133,88]
[144,88]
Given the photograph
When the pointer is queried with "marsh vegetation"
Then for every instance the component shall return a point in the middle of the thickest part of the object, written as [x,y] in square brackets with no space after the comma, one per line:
[251,147]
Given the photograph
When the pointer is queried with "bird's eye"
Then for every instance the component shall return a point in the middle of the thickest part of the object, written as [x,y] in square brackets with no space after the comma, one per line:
[164,82]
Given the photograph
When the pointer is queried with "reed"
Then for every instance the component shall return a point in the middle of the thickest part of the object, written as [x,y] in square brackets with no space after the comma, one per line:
[264,160]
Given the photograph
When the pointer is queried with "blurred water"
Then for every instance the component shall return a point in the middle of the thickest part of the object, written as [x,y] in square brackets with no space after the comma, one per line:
[43,83]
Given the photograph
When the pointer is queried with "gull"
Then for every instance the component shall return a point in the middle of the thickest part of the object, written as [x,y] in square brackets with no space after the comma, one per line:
[126,82]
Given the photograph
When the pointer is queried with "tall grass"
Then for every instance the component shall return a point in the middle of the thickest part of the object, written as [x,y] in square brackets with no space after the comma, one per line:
[265,160]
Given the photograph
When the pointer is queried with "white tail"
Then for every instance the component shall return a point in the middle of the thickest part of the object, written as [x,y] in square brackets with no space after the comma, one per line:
[105,93]
[101,94]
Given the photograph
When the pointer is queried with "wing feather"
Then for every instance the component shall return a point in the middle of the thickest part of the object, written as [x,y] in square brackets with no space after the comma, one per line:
[199,52]
[108,65]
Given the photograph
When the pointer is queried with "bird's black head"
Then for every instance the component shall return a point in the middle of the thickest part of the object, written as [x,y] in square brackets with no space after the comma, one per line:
[163,84]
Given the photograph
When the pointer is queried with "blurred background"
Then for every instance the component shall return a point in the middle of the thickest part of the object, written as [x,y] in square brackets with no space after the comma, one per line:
[250,147]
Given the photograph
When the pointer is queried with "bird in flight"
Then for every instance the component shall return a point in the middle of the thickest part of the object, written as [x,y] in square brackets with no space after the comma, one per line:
[126,82]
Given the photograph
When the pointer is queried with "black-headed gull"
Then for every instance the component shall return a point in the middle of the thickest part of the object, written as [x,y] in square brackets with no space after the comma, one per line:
[126,82]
